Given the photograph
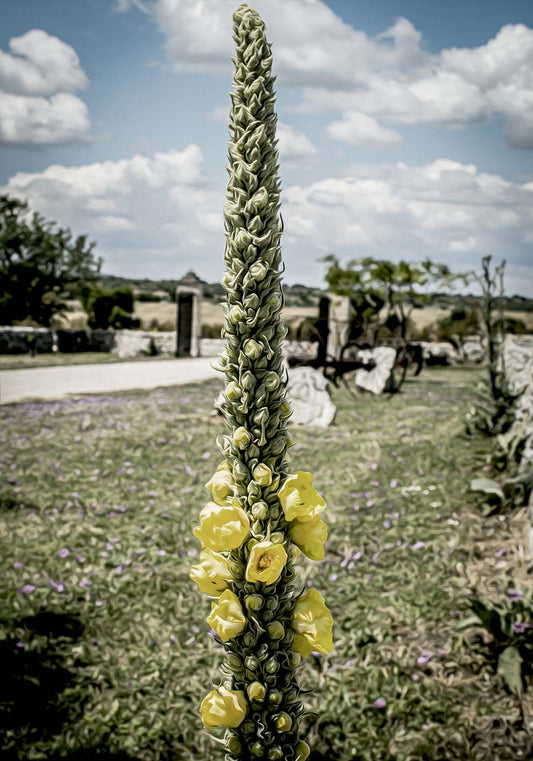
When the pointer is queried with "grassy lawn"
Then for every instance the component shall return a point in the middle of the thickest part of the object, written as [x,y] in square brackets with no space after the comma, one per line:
[21,361]
[105,637]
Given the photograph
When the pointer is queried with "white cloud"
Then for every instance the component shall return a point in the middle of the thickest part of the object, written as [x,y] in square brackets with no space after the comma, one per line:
[343,70]
[26,120]
[157,216]
[360,129]
[293,145]
[37,81]
[445,210]
[148,214]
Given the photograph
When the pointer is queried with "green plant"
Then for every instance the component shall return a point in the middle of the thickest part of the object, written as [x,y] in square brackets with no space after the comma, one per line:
[108,308]
[494,411]
[510,624]
[40,265]
[260,515]
[397,288]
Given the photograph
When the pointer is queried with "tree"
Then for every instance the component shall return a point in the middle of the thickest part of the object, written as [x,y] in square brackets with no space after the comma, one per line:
[377,284]
[109,308]
[40,264]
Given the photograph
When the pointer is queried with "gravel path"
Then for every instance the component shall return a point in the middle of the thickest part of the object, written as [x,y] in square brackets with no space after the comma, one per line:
[58,382]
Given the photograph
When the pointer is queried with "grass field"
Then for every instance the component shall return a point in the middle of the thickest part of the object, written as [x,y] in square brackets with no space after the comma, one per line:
[104,636]
[21,361]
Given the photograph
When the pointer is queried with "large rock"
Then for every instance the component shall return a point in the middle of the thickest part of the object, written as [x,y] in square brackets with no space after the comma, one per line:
[308,395]
[438,353]
[136,343]
[381,377]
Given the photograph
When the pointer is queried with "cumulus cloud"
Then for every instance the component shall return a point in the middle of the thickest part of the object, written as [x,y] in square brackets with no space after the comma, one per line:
[390,76]
[158,216]
[293,145]
[448,211]
[360,129]
[148,214]
[38,79]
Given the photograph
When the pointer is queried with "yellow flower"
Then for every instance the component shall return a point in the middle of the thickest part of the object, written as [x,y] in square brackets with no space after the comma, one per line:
[256,691]
[299,499]
[226,616]
[223,708]
[310,536]
[242,437]
[262,474]
[221,484]
[313,624]
[266,562]
[222,527]
[212,573]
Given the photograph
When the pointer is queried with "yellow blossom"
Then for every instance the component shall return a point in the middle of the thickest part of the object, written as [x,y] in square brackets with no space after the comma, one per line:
[309,536]
[222,527]
[256,691]
[223,708]
[226,616]
[221,484]
[212,573]
[299,499]
[313,624]
[266,562]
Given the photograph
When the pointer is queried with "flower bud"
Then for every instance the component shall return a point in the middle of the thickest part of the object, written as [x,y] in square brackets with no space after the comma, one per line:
[272,602]
[236,313]
[261,416]
[232,391]
[257,750]
[275,753]
[283,722]
[257,528]
[240,472]
[285,409]
[271,381]
[262,474]
[275,697]
[251,301]
[234,662]
[276,630]
[253,452]
[234,746]
[260,510]
[258,271]
[272,665]
[248,381]
[277,537]
[303,751]
[256,691]
[254,602]
[251,663]
[241,437]
[252,349]
[294,659]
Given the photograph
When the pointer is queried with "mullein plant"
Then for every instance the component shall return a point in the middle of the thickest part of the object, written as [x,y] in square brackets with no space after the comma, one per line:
[261,516]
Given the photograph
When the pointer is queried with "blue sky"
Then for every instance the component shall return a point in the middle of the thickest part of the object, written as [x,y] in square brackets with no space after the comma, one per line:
[406,129]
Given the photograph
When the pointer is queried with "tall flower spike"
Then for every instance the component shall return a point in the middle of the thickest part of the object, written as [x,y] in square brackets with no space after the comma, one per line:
[254,616]
[255,394]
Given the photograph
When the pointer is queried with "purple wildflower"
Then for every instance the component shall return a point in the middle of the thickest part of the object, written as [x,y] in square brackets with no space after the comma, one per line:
[380,703]
[63,553]
[423,659]
[57,585]
[27,589]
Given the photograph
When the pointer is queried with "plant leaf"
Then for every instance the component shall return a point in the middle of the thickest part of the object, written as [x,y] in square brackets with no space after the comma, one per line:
[487,486]
[510,668]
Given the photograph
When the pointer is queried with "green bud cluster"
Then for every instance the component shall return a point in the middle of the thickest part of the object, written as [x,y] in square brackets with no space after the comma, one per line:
[262,662]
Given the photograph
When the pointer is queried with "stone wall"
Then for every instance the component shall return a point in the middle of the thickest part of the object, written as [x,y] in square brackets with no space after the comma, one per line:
[21,340]
[518,352]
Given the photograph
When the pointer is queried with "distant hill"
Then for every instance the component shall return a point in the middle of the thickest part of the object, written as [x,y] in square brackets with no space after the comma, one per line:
[295,295]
